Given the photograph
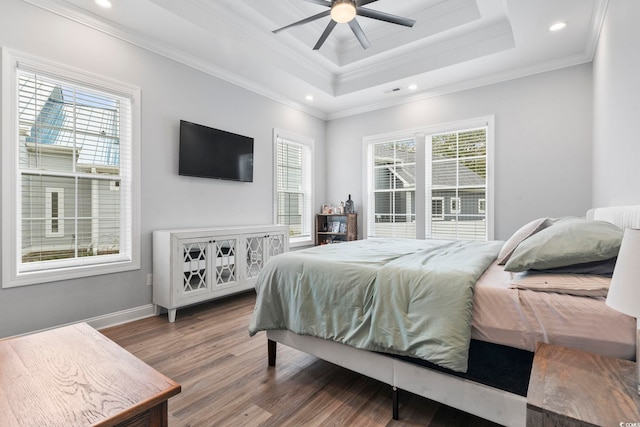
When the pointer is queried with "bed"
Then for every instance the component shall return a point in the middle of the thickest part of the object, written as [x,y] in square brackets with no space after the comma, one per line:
[368,307]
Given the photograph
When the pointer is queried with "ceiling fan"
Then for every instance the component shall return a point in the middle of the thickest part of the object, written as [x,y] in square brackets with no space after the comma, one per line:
[345,11]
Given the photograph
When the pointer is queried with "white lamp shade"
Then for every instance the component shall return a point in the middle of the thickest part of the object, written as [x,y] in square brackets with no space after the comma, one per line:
[624,291]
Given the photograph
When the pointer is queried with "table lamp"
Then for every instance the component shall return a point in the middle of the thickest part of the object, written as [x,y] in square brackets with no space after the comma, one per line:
[624,291]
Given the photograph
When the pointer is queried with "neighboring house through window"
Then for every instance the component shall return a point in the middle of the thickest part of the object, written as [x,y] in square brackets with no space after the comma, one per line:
[431,182]
[293,198]
[69,140]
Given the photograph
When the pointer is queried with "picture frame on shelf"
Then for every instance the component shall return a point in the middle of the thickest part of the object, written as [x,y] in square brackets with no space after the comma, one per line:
[326,209]
[335,227]
[343,227]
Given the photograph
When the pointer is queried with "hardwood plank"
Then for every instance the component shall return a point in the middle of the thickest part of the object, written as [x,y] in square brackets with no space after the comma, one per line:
[226,381]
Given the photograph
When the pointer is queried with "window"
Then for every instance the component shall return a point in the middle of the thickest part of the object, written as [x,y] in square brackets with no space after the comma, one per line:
[54,212]
[454,205]
[437,208]
[458,172]
[431,183]
[69,139]
[293,185]
[392,171]
[482,206]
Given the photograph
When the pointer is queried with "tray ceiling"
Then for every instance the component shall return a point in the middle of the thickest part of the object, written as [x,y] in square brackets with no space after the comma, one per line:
[454,45]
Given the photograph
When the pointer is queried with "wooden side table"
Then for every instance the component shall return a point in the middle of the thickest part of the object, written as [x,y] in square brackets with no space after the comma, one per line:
[75,376]
[575,388]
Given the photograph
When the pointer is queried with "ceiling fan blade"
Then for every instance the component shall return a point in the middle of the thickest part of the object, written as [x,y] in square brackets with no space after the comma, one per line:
[304,21]
[357,30]
[364,2]
[381,16]
[325,34]
[322,2]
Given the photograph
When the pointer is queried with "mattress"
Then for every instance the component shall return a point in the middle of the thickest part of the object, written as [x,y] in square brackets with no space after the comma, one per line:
[522,318]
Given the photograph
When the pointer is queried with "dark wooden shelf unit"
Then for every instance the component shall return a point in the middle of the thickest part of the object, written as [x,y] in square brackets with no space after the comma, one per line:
[336,228]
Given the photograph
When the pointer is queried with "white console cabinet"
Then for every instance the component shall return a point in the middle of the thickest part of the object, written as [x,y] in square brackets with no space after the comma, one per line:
[195,265]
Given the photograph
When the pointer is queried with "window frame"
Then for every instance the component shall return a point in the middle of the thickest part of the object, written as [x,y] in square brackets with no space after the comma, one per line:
[423,198]
[12,275]
[308,211]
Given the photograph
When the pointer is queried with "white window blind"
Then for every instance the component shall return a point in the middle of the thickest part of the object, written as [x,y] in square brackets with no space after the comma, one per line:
[294,186]
[457,174]
[450,174]
[392,189]
[73,147]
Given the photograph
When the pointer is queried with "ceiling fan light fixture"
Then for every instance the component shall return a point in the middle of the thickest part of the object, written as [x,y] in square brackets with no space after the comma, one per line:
[343,11]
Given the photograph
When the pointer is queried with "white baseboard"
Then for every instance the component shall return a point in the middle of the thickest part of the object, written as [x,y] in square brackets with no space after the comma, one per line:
[111,319]
[120,317]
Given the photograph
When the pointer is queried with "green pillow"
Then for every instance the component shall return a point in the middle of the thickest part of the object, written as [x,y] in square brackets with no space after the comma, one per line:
[576,241]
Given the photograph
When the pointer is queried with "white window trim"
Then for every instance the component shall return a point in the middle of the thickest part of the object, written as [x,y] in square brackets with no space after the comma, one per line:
[11,276]
[424,209]
[290,136]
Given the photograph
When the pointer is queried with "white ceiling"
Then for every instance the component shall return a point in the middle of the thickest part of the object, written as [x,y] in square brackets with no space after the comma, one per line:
[454,45]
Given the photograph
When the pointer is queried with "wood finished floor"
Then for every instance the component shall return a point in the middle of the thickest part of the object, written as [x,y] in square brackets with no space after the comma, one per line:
[226,381]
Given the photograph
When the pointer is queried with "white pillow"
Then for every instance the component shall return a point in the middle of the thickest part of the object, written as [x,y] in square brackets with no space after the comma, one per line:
[589,285]
[519,236]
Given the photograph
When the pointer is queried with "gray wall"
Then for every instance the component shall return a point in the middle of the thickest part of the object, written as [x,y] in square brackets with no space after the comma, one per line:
[542,143]
[616,119]
[170,92]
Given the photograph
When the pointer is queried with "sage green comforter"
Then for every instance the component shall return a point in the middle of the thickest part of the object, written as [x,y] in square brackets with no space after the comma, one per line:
[408,297]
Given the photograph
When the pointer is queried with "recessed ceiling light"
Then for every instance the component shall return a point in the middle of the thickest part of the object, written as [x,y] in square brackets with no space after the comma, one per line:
[309,97]
[558,26]
[413,86]
[104,3]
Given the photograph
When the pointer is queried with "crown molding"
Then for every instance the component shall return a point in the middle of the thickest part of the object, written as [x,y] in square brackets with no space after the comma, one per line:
[597,21]
[242,14]
[490,39]
[130,36]
[325,72]
[506,76]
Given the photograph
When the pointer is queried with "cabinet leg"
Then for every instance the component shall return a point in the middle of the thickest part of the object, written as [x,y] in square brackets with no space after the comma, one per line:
[172,314]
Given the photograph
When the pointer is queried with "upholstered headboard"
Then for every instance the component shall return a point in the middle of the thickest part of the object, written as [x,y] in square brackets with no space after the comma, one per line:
[622,216]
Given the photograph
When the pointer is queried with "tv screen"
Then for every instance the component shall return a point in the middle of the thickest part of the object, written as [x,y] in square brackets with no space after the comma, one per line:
[212,153]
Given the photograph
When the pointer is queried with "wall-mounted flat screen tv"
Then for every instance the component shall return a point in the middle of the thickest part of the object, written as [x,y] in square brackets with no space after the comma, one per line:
[212,153]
